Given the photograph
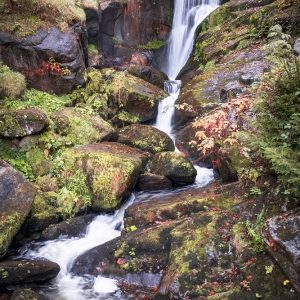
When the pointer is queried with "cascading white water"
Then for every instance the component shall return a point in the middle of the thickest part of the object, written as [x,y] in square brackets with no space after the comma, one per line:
[188,15]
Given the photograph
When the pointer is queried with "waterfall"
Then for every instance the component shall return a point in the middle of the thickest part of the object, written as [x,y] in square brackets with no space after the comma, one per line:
[187,17]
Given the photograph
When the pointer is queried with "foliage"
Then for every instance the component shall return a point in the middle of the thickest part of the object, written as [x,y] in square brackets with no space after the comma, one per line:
[153,45]
[221,126]
[12,84]
[278,123]
[38,99]
[278,43]
[254,231]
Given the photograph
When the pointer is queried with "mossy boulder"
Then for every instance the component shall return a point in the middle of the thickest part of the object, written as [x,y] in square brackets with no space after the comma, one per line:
[16,198]
[27,271]
[104,173]
[149,74]
[79,128]
[26,294]
[23,122]
[174,166]
[146,138]
[282,237]
[132,94]
[12,84]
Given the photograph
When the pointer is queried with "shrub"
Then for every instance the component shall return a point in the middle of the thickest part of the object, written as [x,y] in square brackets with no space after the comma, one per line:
[12,84]
[278,123]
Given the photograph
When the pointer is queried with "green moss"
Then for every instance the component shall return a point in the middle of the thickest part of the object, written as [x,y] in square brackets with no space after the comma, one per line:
[12,84]
[32,98]
[7,230]
[153,45]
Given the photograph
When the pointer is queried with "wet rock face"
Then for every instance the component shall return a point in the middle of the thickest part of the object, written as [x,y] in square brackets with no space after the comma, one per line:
[22,122]
[16,198]
[70,228]
[282,236]
[153,182]
[27,271]
[146,138]
[135,23]
[52,60]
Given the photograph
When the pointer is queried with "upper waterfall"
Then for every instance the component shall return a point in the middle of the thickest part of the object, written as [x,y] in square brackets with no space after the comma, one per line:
[187,17]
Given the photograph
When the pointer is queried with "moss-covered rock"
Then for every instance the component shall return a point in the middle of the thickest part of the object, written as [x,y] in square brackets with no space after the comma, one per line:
[79,128]
[174,166]
[12,84]
[16,197]
[146,138]
[20,123]
[133,94]
[101,175]
[26,294]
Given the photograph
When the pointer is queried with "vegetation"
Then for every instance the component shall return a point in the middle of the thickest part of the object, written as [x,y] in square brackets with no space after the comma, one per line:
[278,117]
[153,45]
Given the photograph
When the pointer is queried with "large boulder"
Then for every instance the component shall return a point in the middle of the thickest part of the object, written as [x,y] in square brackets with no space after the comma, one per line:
[82,129]
[282,237]
[153,182]
[149,74]
[132,94]
[16,197]
[52,60]
[27,271]
[146,138]
[174,166]
[23,122]
[106,172]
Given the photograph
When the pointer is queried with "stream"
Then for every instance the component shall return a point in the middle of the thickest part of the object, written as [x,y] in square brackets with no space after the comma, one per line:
[188,15]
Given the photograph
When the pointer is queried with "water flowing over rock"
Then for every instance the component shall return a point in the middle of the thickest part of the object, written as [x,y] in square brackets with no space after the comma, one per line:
[187,17]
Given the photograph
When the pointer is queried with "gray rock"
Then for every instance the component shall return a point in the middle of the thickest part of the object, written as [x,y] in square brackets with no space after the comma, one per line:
[16,197]
[282,236]
[297,46]
[70,228]
[153,182]
[64,48]
[231,90]
[27,271]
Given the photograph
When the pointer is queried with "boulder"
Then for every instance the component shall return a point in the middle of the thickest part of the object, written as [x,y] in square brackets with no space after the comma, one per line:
[106,172]
[26,294]
[146,138]
[16,198]
[52,60]
[297,46]
[149,74]
[70,228]
[132,94]
[27,271]
[174,166]
[282,237]
[153,182]
[82,129]
[23,122]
